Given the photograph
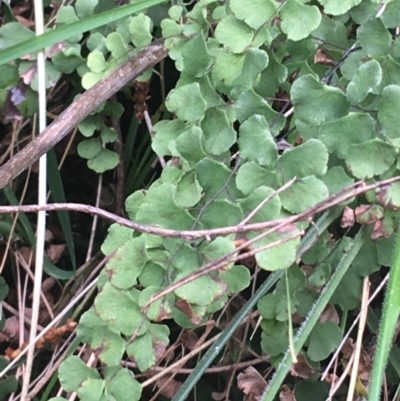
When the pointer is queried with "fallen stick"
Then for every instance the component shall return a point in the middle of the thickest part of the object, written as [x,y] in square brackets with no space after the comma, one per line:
[81,108]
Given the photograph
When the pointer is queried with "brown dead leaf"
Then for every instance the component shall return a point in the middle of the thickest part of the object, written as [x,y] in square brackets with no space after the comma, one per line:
[168,386]
[218,396]
[186,308]
[302,368]
[27,254]
[10,331]
[381,230]
[348,348]
[286,394]
[48,284]
[348,218]
[189,339]
[321,57]
[329,314]
[54,252]
[251,383]
[29,74]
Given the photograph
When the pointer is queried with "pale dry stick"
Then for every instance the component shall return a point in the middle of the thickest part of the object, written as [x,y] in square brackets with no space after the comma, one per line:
[333,390]
[70,142]
[47,374]
[32,277]
[381,10]
[42,189]
[357,350]
[149,124]
[334,356]
[344,195]
[14,223]
[95,219]
[47,328]
[81,108]
[187,371]
[25,318]
[266,200]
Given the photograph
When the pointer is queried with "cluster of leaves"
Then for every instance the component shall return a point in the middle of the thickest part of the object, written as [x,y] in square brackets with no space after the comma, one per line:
[235,59]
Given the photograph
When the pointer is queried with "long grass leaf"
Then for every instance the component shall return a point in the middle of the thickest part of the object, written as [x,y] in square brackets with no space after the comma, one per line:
[325,220]
[387,327]
[313,316]
[58,195]
[69,30]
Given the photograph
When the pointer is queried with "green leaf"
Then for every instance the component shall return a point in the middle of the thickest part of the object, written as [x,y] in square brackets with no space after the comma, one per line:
[91,390]
[310,158]
[299,20]
[269,211]
[14,33]
[121,386]
[213,176]
[370,158]
[267,306]
[218,132]
[117,236]
[234,34]
[221,213]
[202,291]
[354,128]
[237,279]
[249,104]
[388,105]
[347,295]
[309,95]
[374,38]
[103,161]
[338,7]
[73,372]
[188,190]
[365,11]
[160,208]
[166,132]
[147,349]
[140,27]
[85,8]
[96,62]
[89,148]
[187,102]
[280,256]
[118,308]
[256,142]
[336,179]
[125,266]
[255,13]
[366,80]
[189,145]
[391,15]
[303,194]
[101,336]
[195,57]
[251,176]
[116,45]
[389,196]
[324,338]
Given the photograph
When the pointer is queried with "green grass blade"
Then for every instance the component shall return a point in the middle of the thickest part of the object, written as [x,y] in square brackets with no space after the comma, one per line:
[387,327]
[58,195]
[69,30]
[394,356]
[313,316]
[325,220]
[216,348]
